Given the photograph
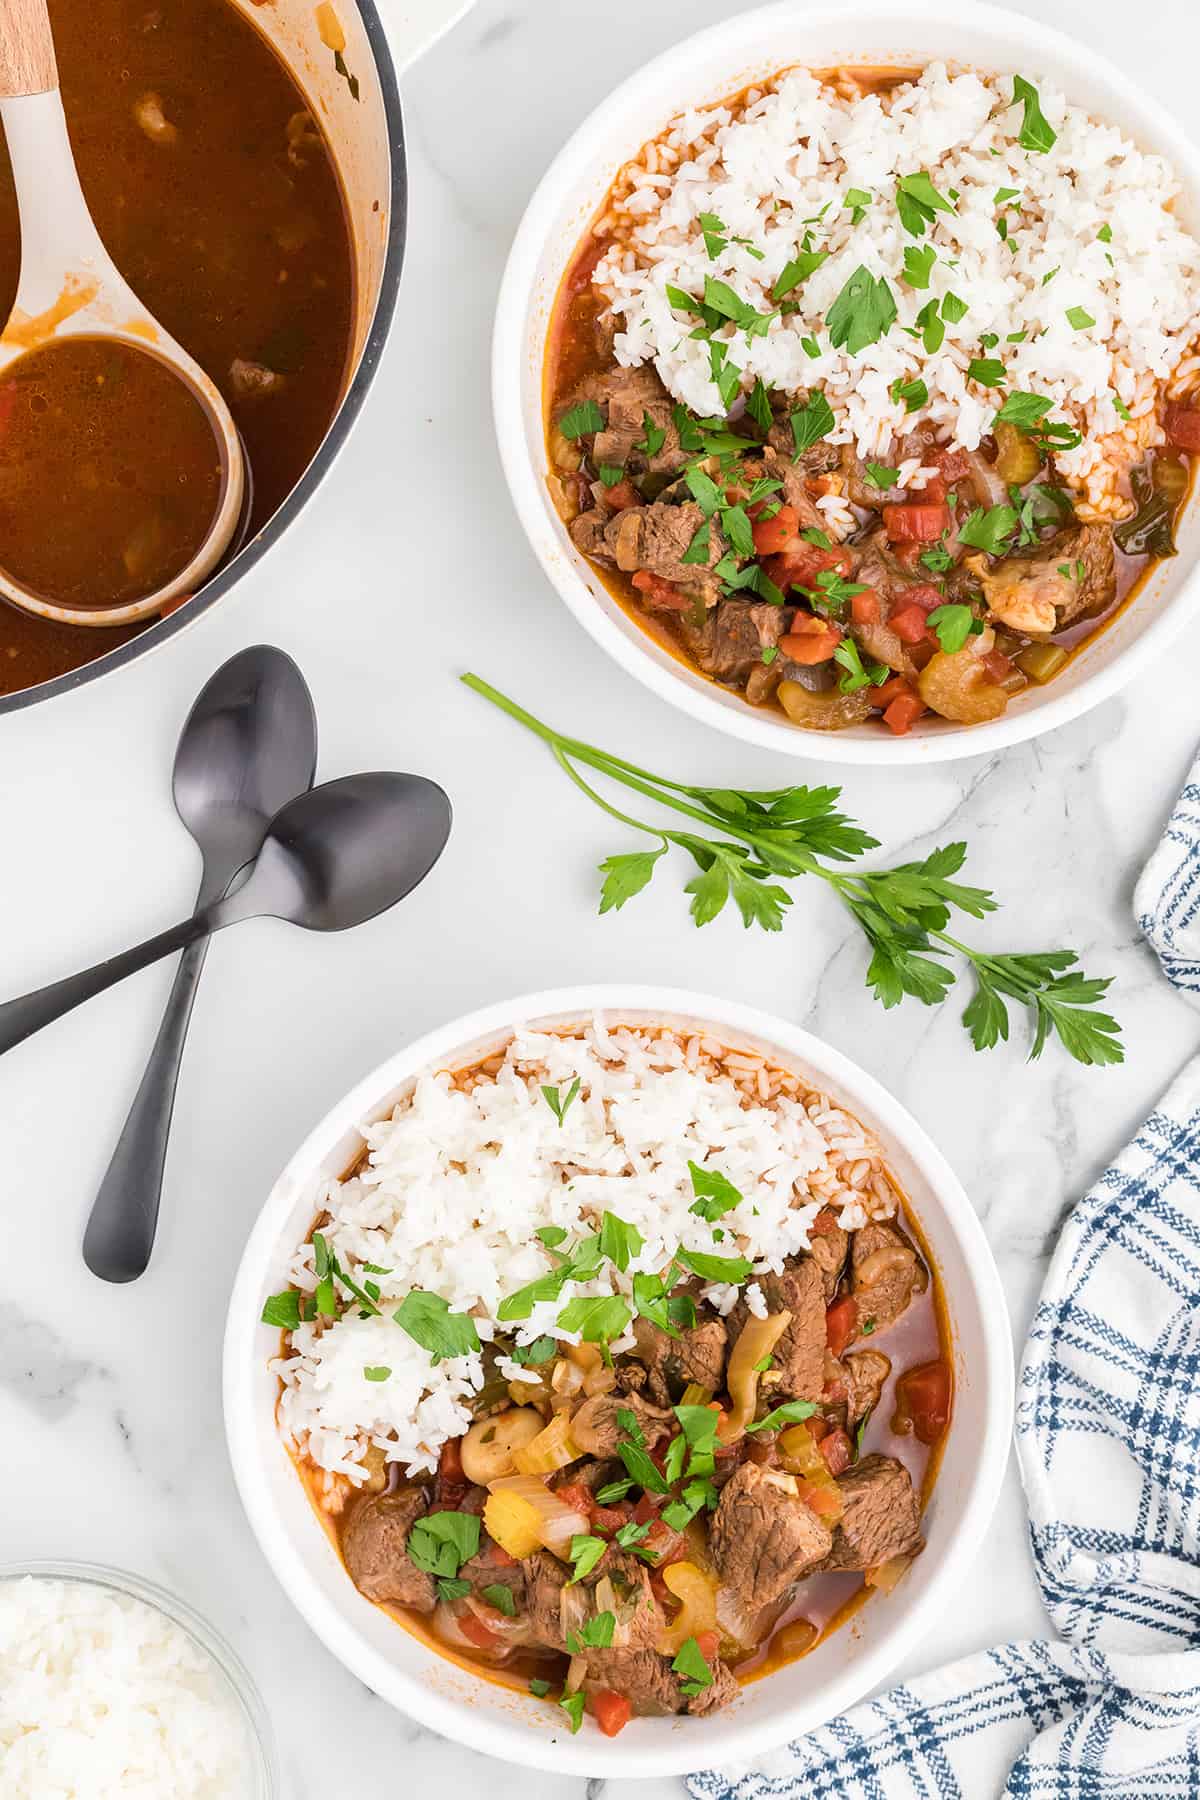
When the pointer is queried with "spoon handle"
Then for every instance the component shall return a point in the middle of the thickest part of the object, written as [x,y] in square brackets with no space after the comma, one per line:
[124,1217]
[27,64]
[20,1018]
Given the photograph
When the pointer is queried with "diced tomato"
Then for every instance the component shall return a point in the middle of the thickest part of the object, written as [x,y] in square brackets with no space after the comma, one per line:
[841,1322]
[823,1499]
[801,564]
[608,1519]
[915,522]
[934,489]
[1183,427]
[998,666]
[708,1643]
[611,1711]
[665,1545]
[659,592]
[923,1402]
[891,690]
[474,1629]
[924,595]
[777,533]
[499,1558]
[622,495]
[646,1509]
[452,1484]
[953,465]
[865,608]
[836,1449]
[576,1496]
[810,640]
[903,713]
[909,624]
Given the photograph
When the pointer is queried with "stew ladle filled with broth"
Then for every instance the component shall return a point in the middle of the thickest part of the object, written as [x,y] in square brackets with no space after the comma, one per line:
[122,476]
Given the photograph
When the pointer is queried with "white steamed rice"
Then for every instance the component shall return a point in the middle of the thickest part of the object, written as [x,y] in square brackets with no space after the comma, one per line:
[102,1697]
[465,1171]
[792,153]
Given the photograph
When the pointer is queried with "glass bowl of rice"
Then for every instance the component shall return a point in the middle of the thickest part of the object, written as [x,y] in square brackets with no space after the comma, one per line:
[111,1685]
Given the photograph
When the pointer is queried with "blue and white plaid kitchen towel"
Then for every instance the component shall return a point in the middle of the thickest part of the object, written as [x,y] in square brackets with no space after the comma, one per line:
[1108,1435]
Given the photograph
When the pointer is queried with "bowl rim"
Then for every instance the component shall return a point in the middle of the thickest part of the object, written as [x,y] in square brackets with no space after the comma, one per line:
[708,703]
[195,1624]
[509,1739]
[162,631]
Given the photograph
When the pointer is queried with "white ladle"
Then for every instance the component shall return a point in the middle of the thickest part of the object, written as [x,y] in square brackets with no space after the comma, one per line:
[69,286]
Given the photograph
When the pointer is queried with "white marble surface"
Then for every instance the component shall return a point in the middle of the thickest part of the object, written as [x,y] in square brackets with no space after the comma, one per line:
[408,569]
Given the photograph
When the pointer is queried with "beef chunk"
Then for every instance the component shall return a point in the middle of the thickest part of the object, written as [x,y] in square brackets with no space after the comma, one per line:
[763,1537]
[865,1373]
[780,467]
[672,1363]
[797,1369]
[545,1581]
[652,1686]
[587,534]
[818,459]
[657,538]
[730,642]
[374,1546]
[483,1571]
[629,405]
[885,1274]
[636,1608]
[626,388]
[1032,594]
[632,1377]
[828,1246]
[596,1429]
[882,1516]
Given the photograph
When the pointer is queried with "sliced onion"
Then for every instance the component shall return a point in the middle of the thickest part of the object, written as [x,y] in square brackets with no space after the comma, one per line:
[558,1523]
[989,489]
[575,1674]
[887,1574]
[756,1340]
[881,1262]
[696,1590]
[734,1620]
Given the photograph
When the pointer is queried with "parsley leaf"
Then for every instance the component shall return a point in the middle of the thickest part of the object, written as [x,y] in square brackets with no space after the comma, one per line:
[1036,133]
[716,1268]
[429,1322]
[798,270]
[913,393]
[501,1598]
[583,1553]
[811,422]
[558,1105]
[598,1318]
[691,1666]
[918,203]
[953,625]
[442,1542]
[652,439]
[862,313]
[790,1413]
[618,1241]
[991,531]
[282,1310]
[715,1193]
[376,1372]
[582,420]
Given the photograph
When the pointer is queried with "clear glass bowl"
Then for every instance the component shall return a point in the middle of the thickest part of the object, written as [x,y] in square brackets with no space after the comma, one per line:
[264,1774]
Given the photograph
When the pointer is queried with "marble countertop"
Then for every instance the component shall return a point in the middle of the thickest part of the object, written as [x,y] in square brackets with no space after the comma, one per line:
[409,568]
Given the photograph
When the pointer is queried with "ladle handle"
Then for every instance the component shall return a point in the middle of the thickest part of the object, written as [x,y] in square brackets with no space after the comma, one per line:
[124,1218]
[27,64]
[20,1018]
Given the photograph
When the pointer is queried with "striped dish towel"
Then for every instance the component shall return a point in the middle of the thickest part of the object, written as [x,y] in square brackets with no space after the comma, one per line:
[1108,1435]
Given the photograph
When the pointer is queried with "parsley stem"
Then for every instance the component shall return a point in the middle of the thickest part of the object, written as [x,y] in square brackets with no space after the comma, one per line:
[563,760]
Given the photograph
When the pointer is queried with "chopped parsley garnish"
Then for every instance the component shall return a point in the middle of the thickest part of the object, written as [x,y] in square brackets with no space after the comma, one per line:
[1025,411]
[652,439]
[790,1413]
[377,1372]
[631,1534]
[1036,133]
[598,1318]
[913,393]
[811,422]
[858,674]
[810,346]
[501,1598]
[734,1269]
[937,559]
[954,310]
[639,1466]
[282,1310]
[583,1553]
[918,203]
[582,420]
[594,1634]
[611,474]
[1105,234]
[572,1705]
[720,298]
[759,406]
[618,1241]
[953,625]
[812,534]
[612,1492]
[1049,276]
[856,202]
[878,475]
[991,531]
[1121,410]
[769,653]
[551,1235]
[700,548]
[699,1427]
[538,1688]
[442,1542]
[715,1193]
[628,1423]
[918,265]
[560,1105]
[1079,319]
[542,1350]
[798,270]
[691,1667]
[429,1322]
[863,311]
[653,1300]
[933,332]
[988,371]
[831,592]
[452,1590]
[713,229]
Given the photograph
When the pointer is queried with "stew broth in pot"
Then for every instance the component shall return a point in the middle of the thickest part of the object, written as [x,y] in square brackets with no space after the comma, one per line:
[214,189]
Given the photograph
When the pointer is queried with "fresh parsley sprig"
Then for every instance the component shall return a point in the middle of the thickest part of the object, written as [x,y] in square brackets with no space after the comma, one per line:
[903,912]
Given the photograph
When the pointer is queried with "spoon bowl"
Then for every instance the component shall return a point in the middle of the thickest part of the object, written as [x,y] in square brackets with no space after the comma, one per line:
[70,287]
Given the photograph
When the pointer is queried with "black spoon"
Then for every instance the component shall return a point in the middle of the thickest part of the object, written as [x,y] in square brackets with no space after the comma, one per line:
[331,859]
[249,745]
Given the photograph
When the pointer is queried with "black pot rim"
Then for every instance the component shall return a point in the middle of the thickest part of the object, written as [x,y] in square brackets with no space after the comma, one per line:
[253,551]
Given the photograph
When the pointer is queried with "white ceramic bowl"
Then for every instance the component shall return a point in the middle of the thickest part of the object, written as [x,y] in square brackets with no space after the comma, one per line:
[474,1711]
[748,47]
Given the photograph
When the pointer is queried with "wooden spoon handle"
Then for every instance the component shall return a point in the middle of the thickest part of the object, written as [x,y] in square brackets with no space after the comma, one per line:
[27,64]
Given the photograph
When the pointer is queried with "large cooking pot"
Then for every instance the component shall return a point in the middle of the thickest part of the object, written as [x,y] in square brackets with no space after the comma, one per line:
[367,138]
